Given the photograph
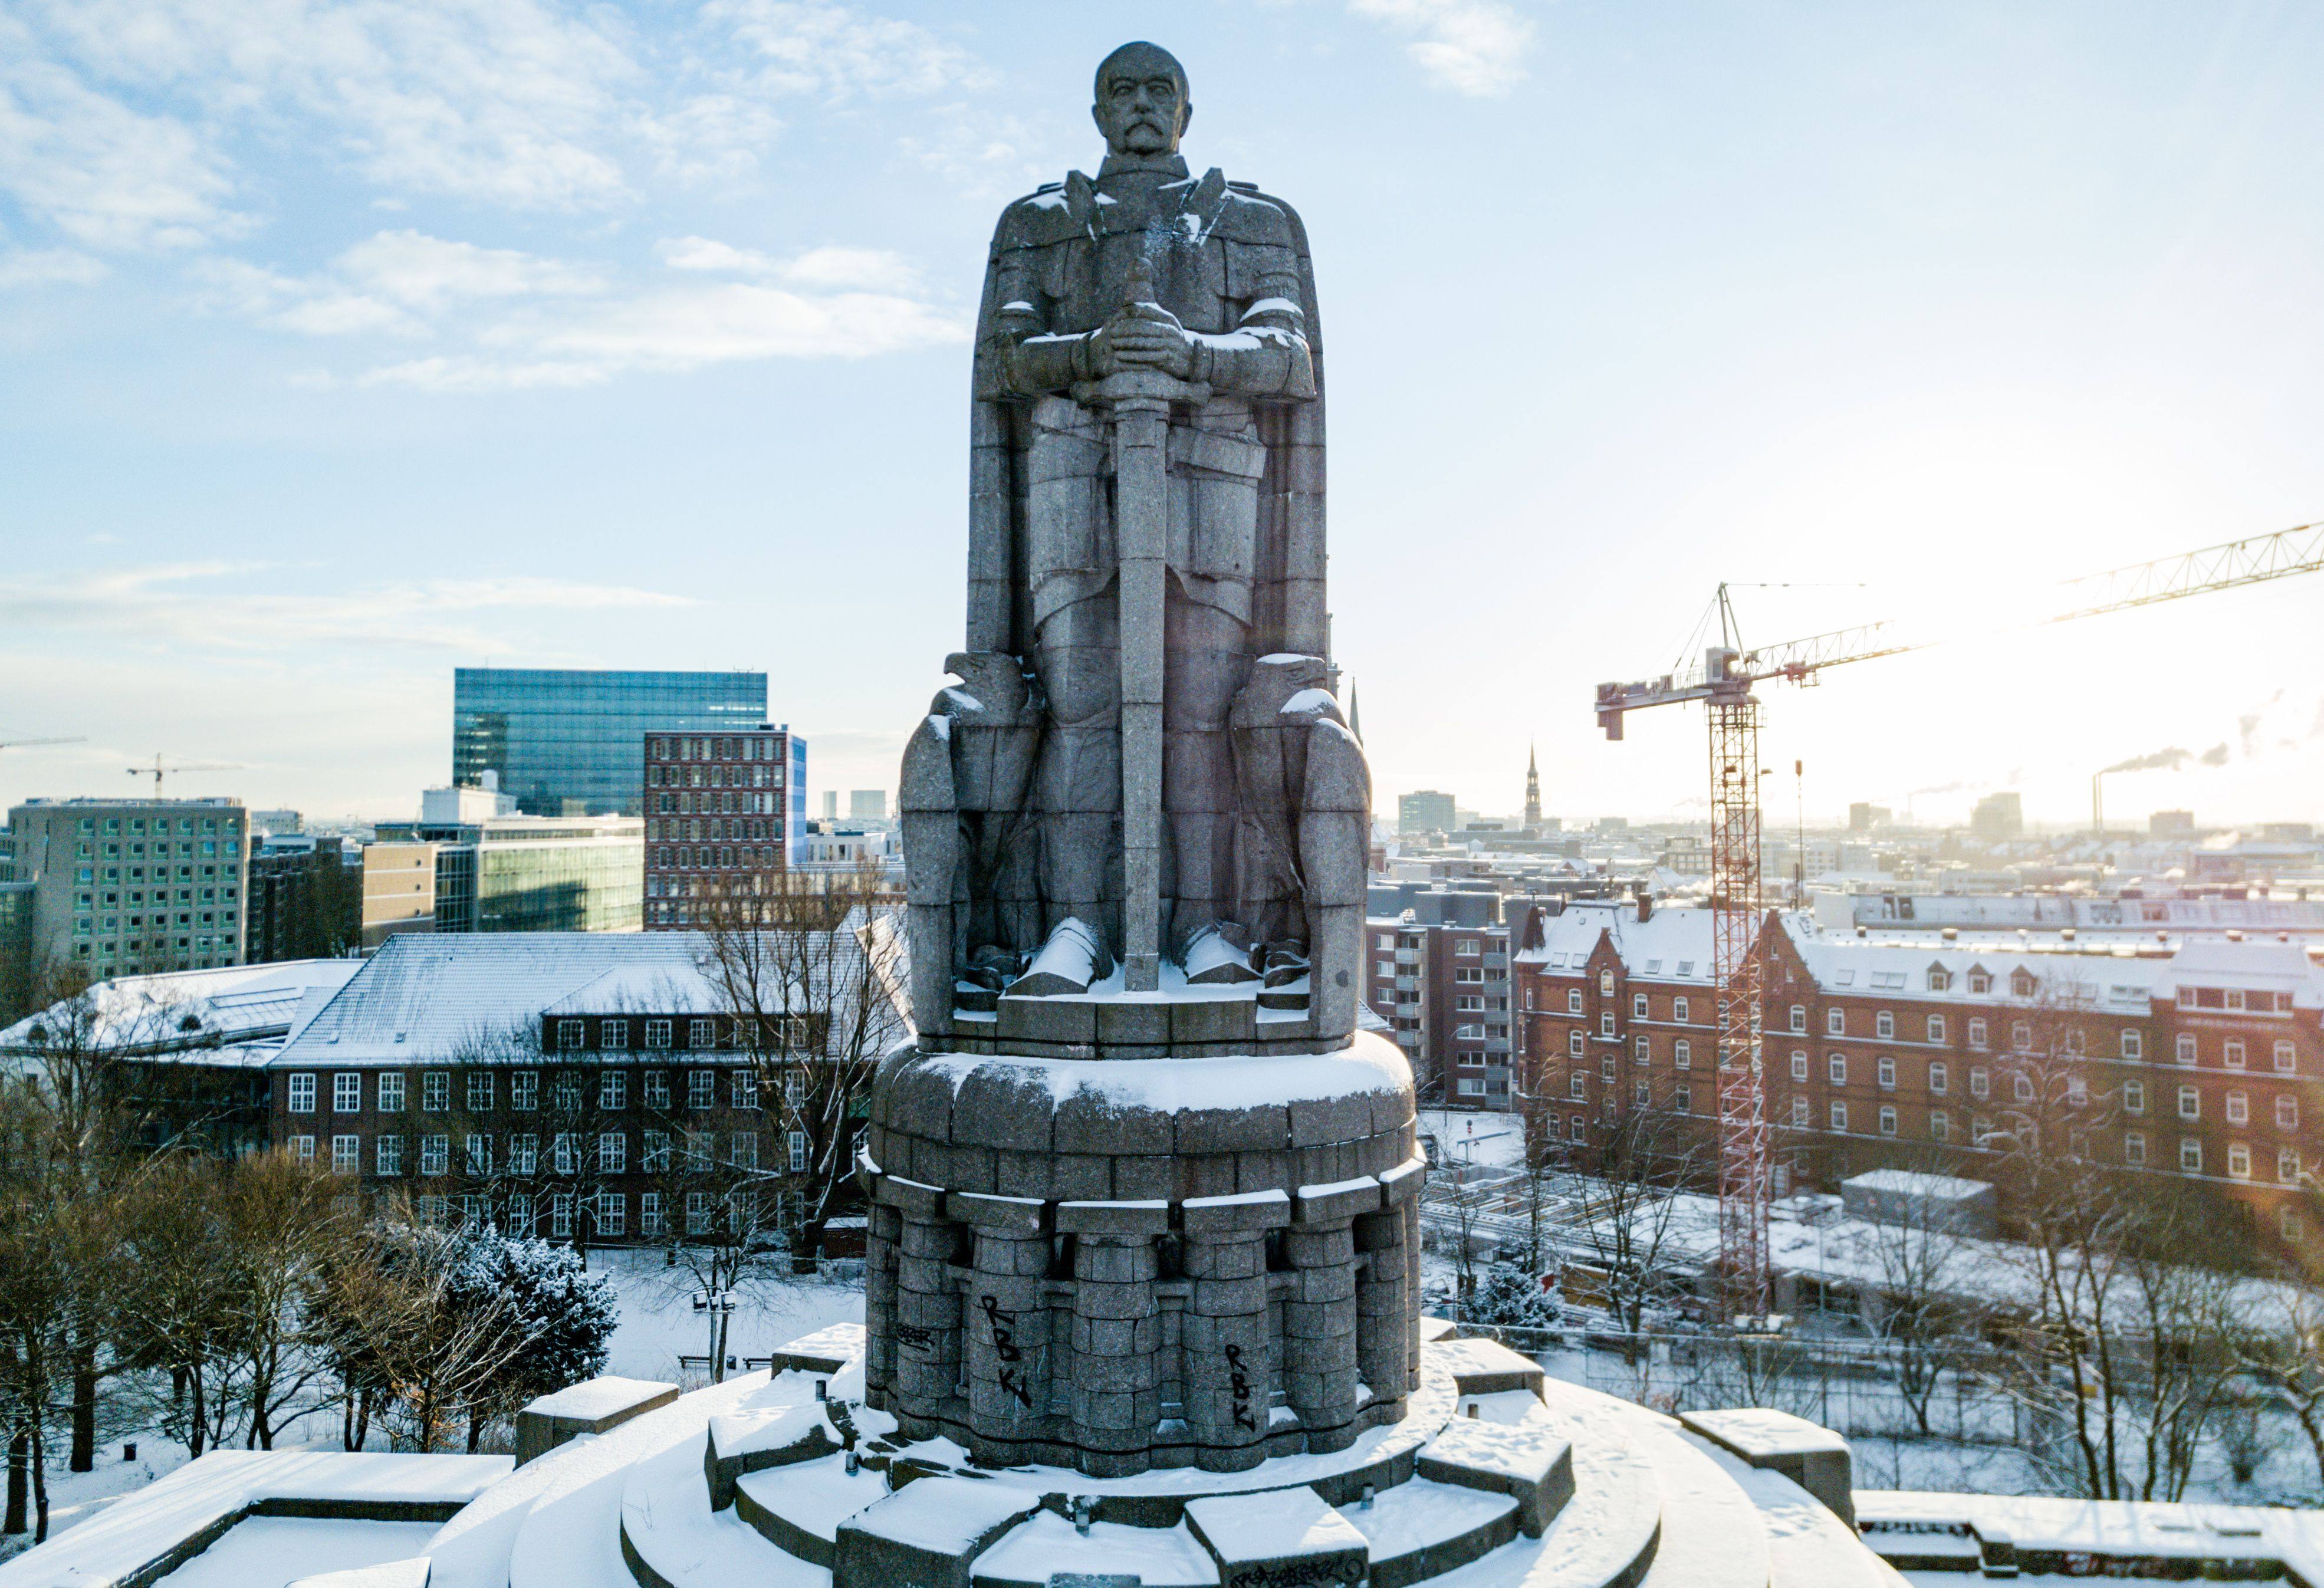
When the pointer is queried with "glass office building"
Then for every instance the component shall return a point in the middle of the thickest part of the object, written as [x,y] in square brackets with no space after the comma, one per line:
[571,744]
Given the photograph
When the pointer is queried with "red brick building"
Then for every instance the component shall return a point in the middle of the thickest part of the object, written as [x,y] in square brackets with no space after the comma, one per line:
[721,808]
[2204,1062]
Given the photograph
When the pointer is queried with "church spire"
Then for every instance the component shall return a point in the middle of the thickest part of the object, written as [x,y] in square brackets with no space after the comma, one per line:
[1355,717]
[1533,789]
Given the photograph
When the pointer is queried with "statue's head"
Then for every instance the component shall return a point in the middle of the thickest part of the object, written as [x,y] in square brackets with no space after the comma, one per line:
[1141,105]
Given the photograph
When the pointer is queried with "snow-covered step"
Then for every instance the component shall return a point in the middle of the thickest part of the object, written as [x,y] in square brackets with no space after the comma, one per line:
[799,1509]
[1281,1535]
[1045,1545]
[926,1533]
[1423,1529]
[671,1538]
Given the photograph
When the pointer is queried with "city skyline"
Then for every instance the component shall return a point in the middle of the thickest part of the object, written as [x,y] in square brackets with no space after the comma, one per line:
[318,403]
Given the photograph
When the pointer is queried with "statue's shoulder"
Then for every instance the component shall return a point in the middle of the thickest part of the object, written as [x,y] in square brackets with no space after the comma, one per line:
[1249,216]
[1046,215]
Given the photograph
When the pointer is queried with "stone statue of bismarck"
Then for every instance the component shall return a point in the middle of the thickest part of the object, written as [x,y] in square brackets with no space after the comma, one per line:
[1143,760]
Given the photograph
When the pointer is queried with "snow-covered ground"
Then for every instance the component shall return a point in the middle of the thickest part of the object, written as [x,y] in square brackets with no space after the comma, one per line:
[657,1326]
[268,1552]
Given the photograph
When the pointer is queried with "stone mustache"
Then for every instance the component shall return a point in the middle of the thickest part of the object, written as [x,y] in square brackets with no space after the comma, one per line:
[1143,767]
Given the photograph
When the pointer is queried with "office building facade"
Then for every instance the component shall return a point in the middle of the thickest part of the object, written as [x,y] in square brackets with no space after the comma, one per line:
[304,899]
[567,743]
[1428,811]
[525,873]
[132,887]
[721,808]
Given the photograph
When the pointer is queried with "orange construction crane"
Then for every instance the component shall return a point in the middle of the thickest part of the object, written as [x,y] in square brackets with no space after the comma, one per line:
[1724,686]
[28,743]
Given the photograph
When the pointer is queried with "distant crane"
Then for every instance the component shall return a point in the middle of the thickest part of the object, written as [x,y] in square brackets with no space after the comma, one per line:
[158,769]
[1724,686]
[28,743]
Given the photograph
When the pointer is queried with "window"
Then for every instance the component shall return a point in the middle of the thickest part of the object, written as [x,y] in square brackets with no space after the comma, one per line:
[1800,1113]
[1980,1086]
[1939,1077]
[1606,983]
[302,1092]
[2021,1086]
[1976,1033]
[1606,1022]
[2078,1091]
[653,1156]
[560,1216]
[798,1152]
[567,1095]
[2239,1160]
[1577,1087]
[742,1150]
[433,1207]
[1936,1028]
[387,1155]
[743,1089]
[1678,1009]
[1883,1025]
[1573,1042]
[1606,1064]
[614,1091]
[391,1092]
[2074,1039]
[1799,1017]
[1887,1073]
[1683,1098]
[657,1088]
[2133,1097]
[569,1034]
[613,1153]
[1840,1116]
[524,1154]
[346,1092]
[612,1213]
[1835,1022]
[1683,1054]
[346,1154]
[2021,1036]
[701,1035]
[698,1212]
[479,1154]
[1887,1120]
[524,1090]
[1640,1095]
[1574,1001]
[657,1033]
[2287,1164]
[1799,1066]
[650,1212]
[2190,1104]
[2234,1054]
[435,1155]
[614,1036]
[1637,1006]
[2191,1155]
[2287,1113]
[1836,1069]
[435,1091]
[1979,984]
[2133,1147]
[2239,1109]
[1573,1128]
[1639,1048]
[480,1091]
[701,1088]
[1980,1128]
[2186,1049]
[2132,1047]
[1940,980]
[564,1149]
[2286,1059]
[1941,1125]
[303,1148]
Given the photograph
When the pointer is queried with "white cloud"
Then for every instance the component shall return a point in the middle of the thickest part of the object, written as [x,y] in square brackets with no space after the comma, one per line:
[691,327]
[481,375]
[431,273]
[49,267]
[819,47]
[860,270]
[1472,47]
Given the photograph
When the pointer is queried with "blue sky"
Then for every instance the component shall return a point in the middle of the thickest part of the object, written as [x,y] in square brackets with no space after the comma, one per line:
[343,344]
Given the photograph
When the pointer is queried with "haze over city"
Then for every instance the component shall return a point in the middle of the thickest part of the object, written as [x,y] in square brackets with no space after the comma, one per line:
[348,347]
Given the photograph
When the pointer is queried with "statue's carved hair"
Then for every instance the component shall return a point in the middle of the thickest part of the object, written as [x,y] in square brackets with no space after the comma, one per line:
[1177,72]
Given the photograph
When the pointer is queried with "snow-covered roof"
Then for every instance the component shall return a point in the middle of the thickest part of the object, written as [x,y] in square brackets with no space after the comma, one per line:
[1916,1183]
[244,1012]
[430,996]
[1671,945]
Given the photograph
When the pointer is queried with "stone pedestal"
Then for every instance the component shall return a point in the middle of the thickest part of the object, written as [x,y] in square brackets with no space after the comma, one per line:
[1118,1265]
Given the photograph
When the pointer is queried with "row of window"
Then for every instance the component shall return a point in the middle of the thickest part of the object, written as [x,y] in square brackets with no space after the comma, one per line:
[570,1152]
[608,1212]
[716,806]
[754,747]
[706,857]
[566,1092]
[160,824]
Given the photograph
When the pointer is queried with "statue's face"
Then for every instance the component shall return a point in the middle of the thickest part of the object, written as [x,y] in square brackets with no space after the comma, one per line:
[1142,107]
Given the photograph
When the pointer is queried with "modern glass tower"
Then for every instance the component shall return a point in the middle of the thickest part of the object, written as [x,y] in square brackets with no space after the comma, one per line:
[571,744]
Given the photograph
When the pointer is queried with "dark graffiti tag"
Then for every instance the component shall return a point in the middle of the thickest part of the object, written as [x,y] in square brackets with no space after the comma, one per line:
[1239,1387]
[1004,1346]
[913,1337]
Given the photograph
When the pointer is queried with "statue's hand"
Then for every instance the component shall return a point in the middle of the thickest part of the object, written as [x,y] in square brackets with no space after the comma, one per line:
[1143,336]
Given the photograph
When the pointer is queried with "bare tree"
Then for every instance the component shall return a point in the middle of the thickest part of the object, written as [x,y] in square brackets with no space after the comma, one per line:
[1633,1161]
[1919,1300]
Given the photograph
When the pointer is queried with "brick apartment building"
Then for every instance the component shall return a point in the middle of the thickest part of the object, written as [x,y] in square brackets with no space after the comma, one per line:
[1437,970]
[2204,1062]
[721,810]
[576,1085]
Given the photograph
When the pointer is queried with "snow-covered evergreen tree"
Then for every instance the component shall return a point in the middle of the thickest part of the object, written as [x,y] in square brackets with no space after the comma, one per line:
[1511,1294]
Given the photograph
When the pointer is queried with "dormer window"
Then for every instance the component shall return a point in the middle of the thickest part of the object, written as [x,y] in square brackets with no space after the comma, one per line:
[1941,980]
[1980,982]
[2022,983]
